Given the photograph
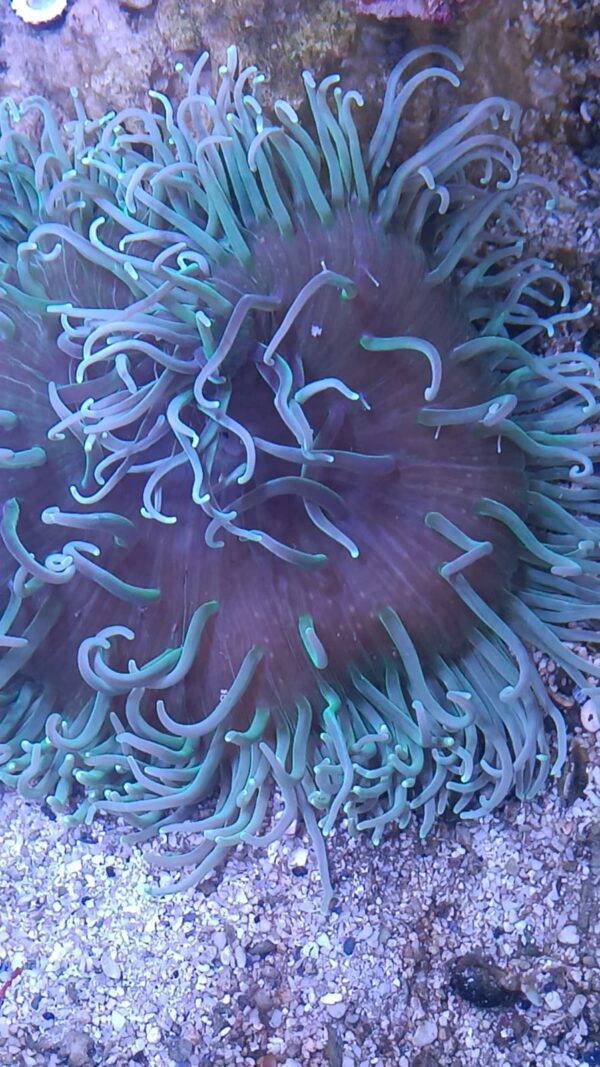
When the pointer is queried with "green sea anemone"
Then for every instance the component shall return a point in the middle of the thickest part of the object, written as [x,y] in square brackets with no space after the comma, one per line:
[290,492]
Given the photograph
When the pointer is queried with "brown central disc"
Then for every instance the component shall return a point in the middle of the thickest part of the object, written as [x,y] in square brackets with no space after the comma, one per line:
[392,472]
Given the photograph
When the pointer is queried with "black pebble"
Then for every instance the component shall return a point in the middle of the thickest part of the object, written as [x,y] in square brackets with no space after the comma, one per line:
[482,983]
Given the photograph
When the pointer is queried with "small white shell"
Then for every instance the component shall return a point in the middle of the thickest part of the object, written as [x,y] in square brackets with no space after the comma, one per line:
[38,12]
[590,717]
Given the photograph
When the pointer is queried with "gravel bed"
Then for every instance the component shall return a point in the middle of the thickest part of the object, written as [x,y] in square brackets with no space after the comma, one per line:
[248,970]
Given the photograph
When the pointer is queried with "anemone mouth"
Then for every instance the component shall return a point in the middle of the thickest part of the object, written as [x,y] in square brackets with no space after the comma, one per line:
[287,497]
[344,431]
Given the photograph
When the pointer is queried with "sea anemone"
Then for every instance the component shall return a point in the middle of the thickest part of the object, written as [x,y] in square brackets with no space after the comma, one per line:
[289,494]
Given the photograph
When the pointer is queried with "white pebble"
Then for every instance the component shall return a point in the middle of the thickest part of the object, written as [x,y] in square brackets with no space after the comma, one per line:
[553,1000]
[590,719]
[220,939]
[331,998]
[118,1021]
[577,1005]
[426,1033]
[569,935]
[110,966]
[334,1002]
[337,1011]
[152,1034]
[299,857]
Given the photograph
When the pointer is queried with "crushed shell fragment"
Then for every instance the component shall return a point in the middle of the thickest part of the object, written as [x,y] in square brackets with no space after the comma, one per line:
[38,12]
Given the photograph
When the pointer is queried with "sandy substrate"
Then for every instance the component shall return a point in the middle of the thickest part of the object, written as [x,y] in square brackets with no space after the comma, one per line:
[247,970]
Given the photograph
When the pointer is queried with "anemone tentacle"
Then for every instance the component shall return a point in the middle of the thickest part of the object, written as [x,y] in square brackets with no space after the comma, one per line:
[288,494]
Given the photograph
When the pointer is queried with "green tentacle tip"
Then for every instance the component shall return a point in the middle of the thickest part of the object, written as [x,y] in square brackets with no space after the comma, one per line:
[312,645]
